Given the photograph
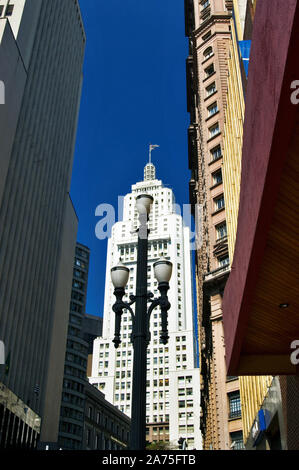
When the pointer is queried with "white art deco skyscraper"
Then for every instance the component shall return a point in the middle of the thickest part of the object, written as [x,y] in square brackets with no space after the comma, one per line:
[173,405]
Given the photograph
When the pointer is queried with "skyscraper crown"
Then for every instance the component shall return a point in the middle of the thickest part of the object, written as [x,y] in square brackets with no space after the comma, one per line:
[149,172]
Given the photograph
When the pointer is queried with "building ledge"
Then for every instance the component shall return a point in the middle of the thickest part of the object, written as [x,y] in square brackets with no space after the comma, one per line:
[215,160]
[207,59]
[216,185]
[214,137]
[211,95]
[210,117]
[217,273]
[207,78]
[218,211]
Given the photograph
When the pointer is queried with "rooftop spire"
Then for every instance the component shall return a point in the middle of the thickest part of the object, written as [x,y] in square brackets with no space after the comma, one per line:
[150,170]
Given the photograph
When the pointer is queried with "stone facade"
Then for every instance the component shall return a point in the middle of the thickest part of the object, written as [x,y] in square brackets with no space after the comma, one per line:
[208,26]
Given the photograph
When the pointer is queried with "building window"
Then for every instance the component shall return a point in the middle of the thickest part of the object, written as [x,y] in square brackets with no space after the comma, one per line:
[208,53]
[221,231]
[234,405]
[207,35]
[223,261]
[219,202]
[88,435]
[216,153]
[237,440]
[214,130]
[205,4]
[9,10]
[211,89]
[213,109]
[217,177]
[209,70]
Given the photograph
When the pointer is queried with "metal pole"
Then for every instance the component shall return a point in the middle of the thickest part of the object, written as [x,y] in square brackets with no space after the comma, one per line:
[138,418]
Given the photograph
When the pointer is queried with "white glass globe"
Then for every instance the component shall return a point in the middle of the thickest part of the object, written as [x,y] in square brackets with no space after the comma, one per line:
[143,203]
[163,270]
[120,275]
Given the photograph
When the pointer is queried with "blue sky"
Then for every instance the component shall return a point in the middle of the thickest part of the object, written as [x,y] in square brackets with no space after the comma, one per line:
[134,93]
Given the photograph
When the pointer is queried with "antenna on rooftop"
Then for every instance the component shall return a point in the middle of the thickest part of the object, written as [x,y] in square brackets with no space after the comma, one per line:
[151,148]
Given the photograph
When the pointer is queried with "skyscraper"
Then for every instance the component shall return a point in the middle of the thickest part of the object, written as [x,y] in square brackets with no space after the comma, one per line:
[75,367]
[173,406]
[41,55]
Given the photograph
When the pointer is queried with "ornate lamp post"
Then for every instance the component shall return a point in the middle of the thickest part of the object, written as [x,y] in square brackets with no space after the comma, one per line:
[140,336]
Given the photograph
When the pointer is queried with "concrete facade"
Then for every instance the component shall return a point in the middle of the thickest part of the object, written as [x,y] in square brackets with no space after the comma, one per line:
[38,224]
[105,426]
[173,380]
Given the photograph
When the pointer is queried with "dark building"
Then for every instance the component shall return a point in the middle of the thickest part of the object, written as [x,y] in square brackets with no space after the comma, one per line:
[73,396]
[41,56]
[92,328]
[105,426]
[87,420]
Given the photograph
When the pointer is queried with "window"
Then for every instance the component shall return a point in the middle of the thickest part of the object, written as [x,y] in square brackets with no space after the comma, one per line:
[221,231]
[211,89]
[1,9]
[205,4]
[206,36]
[216,153]
[80,263]
[208,53]
[223,261]
[214,130]
[209,70]
[213,109]
[217,177]
[9,10]
[88,435]
[237,440]
[219,202]
[234,405]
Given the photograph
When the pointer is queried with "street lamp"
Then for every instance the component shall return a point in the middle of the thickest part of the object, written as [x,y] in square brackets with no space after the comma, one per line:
[140,336]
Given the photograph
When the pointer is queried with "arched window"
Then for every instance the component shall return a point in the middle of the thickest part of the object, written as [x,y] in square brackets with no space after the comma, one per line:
[208,52]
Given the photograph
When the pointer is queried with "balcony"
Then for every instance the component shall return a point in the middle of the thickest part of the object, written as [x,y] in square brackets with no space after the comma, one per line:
[217,273]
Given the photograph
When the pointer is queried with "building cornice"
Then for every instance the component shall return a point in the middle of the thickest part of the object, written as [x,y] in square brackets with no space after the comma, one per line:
[215,18]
